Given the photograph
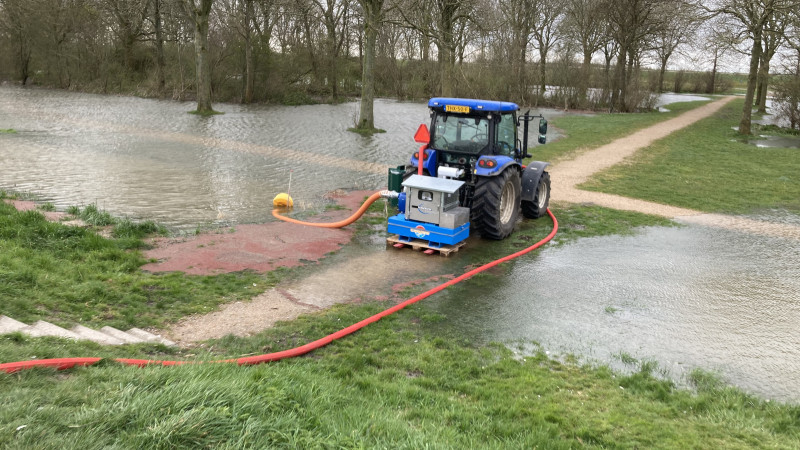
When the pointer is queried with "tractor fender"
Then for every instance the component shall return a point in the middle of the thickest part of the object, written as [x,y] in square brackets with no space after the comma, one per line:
[530,179]
[501,163]
[430,163]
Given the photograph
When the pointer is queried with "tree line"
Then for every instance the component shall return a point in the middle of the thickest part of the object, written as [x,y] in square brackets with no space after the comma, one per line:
[596,54]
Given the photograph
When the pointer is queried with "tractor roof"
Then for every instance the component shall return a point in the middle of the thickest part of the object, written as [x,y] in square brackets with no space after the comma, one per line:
[474,105]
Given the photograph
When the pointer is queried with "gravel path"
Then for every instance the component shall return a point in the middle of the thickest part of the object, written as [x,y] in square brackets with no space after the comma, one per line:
[567,175]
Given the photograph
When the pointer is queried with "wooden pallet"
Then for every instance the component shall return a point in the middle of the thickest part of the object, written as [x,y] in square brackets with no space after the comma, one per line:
[420,245]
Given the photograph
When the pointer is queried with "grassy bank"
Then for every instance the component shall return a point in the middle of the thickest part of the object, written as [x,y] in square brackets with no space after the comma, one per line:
[70,275]
[400,383]
[708,167]
[582,133]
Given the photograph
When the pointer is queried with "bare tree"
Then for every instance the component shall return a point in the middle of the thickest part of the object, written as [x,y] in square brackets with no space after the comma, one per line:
[439,24]
[198,12]
[752,16]
[158,32]
[334,16]
[517,25]
[17,24]
[631,24]
[547,14]
[772,39]
[678,28]
[585,24]
[127,21]
[373,17]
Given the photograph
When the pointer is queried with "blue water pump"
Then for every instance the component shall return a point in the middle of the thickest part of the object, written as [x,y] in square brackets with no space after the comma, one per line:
[431,212]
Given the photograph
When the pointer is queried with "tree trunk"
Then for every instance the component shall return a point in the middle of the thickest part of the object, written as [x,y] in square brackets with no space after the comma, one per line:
[712,87]
[203,66]
[585,81]
[618,91]
[752,79]
[372,13]
[661,76]
[763,84]
[249,63]
[446,63]
[199,15]
[542,69]
[160,64]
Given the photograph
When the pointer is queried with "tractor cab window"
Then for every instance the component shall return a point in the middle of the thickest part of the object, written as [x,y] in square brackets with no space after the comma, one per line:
[462,134]
[506,135]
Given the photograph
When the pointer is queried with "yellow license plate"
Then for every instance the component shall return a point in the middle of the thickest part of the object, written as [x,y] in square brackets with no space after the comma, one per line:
[457,109]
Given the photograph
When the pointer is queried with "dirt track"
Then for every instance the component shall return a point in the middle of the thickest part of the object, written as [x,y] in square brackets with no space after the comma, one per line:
[567,175]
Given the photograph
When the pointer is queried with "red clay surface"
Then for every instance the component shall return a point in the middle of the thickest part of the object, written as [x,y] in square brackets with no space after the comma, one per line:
[260,247]
[25,205]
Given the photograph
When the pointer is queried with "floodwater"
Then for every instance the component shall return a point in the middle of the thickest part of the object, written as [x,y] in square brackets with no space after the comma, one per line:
[684,297]
[150,159]
[776,141]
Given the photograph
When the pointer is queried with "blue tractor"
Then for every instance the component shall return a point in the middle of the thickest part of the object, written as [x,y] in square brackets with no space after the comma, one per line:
[475,142]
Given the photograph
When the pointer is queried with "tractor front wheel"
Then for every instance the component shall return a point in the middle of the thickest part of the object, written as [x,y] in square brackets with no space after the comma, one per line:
[495,204]
[538,207]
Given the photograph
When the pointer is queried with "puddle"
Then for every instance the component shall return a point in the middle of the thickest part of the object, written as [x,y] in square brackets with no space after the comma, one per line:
[776,141]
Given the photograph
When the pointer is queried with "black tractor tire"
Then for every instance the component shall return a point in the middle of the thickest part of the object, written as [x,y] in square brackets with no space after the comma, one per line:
[541,200]
[495,204]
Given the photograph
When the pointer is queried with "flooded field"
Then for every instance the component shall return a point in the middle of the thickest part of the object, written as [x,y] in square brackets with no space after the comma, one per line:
[686,297]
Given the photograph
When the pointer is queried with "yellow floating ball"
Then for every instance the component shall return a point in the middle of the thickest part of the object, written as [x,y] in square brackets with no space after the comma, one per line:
[283,199]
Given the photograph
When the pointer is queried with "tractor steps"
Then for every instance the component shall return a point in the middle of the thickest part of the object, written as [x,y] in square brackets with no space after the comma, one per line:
[423,246]
[104,336]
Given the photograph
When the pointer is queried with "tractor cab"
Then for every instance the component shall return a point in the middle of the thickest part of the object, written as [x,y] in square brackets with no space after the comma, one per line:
[462,130]
[472,128]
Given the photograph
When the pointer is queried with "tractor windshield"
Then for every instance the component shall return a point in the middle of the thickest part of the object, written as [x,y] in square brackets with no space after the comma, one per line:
[458,133]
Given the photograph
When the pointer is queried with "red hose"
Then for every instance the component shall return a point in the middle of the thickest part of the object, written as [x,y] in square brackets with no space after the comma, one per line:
[66,363]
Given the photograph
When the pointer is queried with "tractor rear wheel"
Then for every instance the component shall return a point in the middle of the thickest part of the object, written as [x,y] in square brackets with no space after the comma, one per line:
[495,204]
[538,207]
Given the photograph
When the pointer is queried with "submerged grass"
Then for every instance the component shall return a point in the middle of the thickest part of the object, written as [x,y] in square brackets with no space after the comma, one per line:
[399,383]
[706,167]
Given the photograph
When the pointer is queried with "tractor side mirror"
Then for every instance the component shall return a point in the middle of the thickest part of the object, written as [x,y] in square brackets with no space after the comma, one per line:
[423,136]
[542,130]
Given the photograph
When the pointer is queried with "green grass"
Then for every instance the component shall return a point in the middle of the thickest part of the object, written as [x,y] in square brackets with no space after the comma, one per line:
[400,383]
[707,167]
[7,131]
[47,206]
[404,382]
[366,131]
[69,274]
[583,133]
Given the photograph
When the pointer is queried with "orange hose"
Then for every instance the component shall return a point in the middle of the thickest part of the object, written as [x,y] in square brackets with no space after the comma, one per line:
[339,224]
